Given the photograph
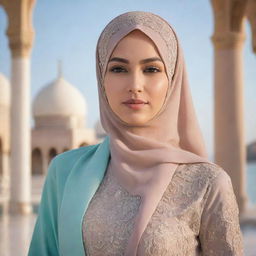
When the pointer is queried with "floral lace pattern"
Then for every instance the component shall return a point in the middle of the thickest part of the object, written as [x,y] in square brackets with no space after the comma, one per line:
[109,219]
[149,20]
[197,215]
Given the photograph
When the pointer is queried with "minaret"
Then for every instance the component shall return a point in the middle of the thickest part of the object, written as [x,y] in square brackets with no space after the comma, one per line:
[20,34]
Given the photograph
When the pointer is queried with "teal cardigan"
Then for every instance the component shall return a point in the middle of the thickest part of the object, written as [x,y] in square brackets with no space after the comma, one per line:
[72,179]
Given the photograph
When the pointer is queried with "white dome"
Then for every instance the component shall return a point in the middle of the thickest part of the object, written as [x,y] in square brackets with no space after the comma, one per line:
[59,98]
[5,91]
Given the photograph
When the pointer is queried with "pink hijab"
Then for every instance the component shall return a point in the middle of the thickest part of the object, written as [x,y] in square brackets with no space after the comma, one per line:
[144,164]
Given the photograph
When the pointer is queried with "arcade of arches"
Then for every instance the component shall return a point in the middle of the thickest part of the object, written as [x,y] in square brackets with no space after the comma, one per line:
[37,159]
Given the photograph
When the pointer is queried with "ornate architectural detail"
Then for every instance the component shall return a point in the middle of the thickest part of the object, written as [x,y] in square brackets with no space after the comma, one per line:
[20,30]
[229,23]
[237,11]
[228,40]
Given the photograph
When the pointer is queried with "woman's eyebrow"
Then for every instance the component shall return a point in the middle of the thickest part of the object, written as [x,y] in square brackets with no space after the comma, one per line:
[118,59]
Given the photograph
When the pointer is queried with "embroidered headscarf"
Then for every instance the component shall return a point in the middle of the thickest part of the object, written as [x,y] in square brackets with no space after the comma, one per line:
[144,158]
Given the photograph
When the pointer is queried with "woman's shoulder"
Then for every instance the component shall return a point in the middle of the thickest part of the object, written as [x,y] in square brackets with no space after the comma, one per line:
[63,162]
[74,153]
[206,172]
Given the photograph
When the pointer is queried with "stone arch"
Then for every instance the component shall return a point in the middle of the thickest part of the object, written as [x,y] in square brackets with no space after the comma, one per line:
[37,162]
[238,8]
[83,144]
[52,153]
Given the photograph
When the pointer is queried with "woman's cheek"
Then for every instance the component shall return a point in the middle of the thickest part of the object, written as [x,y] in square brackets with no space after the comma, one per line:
[159,87]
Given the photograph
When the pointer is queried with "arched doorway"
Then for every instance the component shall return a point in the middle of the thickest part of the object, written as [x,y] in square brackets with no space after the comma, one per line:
[37,162]
[52,154]
[83,144]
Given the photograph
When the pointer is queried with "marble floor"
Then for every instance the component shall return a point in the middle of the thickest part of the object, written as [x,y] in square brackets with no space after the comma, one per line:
[16,232]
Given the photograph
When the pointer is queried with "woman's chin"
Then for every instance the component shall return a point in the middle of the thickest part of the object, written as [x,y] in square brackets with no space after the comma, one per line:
[135,121]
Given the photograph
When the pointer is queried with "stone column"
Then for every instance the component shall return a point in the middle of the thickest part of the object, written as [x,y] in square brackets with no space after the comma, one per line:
[5,180]
[6,175]
[229,139]
[20,34]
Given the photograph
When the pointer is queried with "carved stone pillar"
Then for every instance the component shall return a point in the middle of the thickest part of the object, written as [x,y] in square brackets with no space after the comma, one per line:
[20,34]
[228,40]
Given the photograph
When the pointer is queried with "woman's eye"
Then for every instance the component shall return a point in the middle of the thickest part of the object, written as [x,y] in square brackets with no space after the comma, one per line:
[118,69]
[152,70]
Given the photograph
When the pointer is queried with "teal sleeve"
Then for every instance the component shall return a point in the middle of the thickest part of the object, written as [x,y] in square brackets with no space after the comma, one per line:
[45,235]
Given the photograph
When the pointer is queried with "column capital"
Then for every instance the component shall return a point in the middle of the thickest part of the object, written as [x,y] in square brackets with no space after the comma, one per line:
[20,30]
[229,21]
[228,40]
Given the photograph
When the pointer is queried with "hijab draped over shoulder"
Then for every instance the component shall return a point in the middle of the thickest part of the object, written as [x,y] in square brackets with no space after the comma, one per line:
[144,157]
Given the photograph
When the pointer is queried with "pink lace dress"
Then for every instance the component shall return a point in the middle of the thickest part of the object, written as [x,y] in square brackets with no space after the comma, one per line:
[197,215]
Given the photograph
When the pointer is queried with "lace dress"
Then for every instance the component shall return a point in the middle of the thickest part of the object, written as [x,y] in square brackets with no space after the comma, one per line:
[197,215]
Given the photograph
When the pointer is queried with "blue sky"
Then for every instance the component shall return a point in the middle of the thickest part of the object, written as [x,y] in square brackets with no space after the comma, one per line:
[68,30]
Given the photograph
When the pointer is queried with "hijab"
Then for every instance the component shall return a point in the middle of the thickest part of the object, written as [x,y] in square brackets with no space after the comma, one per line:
[144,158]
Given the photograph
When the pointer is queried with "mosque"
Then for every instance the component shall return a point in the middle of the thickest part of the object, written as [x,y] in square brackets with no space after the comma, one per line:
[59,113]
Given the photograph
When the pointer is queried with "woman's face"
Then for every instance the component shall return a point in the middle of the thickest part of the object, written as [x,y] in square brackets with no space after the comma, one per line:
[135,82]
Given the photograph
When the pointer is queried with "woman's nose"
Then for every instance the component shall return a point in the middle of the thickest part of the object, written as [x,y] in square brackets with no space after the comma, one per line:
[135,89]
[135,83]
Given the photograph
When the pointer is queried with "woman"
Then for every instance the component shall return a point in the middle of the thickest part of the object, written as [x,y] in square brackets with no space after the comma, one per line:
[148,188]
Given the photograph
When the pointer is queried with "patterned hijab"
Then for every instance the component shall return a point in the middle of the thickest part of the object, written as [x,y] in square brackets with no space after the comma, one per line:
[144,158]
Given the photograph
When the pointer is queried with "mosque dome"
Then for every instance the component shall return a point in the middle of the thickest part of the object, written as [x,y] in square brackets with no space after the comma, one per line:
[59,98]
[5,91]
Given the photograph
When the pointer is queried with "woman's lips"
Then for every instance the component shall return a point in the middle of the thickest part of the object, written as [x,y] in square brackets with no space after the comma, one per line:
[135,106]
